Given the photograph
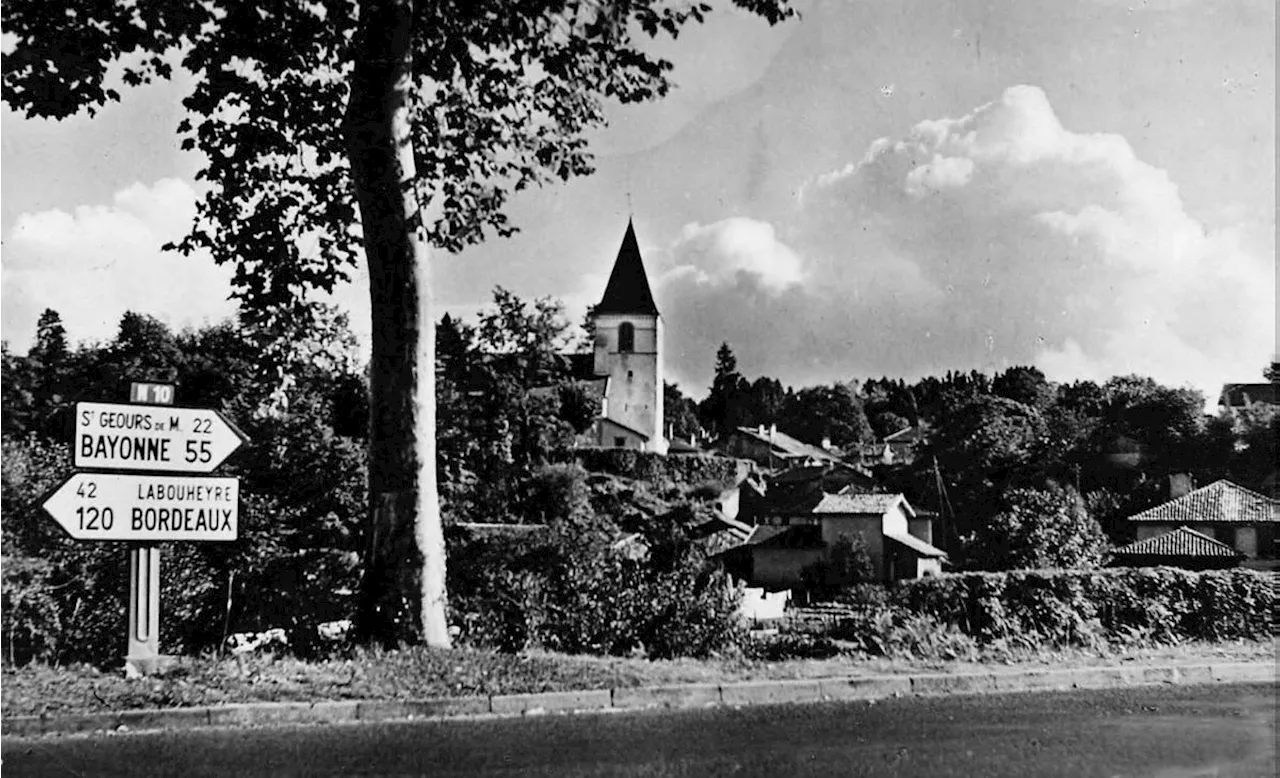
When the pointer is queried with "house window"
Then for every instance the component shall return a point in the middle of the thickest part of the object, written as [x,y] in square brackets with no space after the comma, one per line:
[619,442]
[630,375]
[626,338]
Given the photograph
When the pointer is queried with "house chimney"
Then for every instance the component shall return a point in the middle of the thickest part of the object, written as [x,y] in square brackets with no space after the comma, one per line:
[773,430]
[1179,485]
[826,443]
[760,429]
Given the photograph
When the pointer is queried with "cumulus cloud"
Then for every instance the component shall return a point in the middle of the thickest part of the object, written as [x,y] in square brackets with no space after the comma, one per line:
[737,251]
[995,238]
[97,261]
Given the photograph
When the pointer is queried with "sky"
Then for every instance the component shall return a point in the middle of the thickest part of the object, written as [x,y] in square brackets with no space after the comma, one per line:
[878,188]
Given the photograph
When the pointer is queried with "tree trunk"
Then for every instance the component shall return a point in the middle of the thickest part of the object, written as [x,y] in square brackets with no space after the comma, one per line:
[402,593]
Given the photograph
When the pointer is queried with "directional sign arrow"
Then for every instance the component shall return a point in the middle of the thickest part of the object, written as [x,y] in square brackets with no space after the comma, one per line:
[137,437]
[151,508]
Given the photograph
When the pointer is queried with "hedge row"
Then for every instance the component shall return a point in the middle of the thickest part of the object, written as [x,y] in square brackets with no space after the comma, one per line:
[1159,605]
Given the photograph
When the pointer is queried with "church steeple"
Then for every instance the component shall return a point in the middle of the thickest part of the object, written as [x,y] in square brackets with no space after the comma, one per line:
[628,289]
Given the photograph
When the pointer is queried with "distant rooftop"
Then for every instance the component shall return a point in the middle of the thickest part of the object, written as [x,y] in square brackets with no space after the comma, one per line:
[787,444]
[829,504]
[1181,542]
[1220,501]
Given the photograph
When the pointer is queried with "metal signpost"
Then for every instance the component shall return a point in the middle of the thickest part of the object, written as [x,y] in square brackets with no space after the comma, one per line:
[148,508]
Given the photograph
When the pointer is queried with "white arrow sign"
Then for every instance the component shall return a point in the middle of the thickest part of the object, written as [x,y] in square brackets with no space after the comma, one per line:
[138,437]
[151,508]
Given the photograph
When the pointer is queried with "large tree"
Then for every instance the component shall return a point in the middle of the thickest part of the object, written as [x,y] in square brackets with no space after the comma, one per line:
[335,128]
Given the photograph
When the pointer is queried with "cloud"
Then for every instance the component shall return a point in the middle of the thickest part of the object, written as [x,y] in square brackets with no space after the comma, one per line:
[996,238]
[97,261]
[736,250]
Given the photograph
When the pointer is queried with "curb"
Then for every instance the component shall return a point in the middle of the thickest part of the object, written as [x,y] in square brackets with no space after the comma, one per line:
[639,698]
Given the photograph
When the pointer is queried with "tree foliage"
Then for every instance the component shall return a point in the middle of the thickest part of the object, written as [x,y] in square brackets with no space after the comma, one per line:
[847,564]
[1039,528]
[336,128]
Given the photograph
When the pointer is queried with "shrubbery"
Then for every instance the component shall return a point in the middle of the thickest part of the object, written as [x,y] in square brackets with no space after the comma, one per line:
[968,615]
[658,470]
[1037,529]
[1085,607]
[584,585]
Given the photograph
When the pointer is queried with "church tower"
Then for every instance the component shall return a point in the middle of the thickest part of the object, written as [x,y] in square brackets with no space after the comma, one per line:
[628,349]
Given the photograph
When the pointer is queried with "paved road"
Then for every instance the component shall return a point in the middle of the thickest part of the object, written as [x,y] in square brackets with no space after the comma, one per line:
[1168,732]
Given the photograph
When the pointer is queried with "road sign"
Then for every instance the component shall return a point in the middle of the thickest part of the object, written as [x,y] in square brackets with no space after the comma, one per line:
[148,508]
[133,437]
[151,393]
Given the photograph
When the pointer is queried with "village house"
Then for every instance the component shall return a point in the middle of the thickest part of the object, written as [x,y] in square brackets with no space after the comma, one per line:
[792,534]
[1231,515]
[773,449]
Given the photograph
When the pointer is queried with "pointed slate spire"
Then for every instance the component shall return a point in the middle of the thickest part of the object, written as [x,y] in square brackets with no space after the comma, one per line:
[628,287]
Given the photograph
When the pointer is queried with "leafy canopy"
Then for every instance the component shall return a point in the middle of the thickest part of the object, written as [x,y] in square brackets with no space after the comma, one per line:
[502,92]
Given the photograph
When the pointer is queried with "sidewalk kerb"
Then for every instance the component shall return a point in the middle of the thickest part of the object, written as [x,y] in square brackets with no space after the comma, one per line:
[1244,671]
[164,718]
[547,702]
[252,714]
[694,695]
[872,687]
[956,683]
[23,726]
[770,692]
[393,710]
[1193,674]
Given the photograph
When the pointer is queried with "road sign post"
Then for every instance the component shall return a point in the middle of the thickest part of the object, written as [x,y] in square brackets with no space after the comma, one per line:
[166,503]
[142,652]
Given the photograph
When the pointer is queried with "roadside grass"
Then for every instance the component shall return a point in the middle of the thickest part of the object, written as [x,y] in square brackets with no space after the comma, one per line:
[421,673]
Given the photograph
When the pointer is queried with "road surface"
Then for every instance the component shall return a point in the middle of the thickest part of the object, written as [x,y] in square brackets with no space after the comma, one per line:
[1223,730]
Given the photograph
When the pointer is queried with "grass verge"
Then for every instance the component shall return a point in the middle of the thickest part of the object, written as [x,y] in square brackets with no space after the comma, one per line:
[420,673]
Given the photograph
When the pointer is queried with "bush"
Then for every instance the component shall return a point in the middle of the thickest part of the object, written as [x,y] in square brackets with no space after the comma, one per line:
[1084,608]
[1039,528]
[582,585]
[789,645]
[848,564]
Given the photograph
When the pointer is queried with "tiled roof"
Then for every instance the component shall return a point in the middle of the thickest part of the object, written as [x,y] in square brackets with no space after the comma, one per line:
[835,504]
[627,427]
[1220,501]
[1182,542]
[860,503]
[628,288]
[1239,395]
[917,545]
[786,537]
[797,474]
[789,445]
